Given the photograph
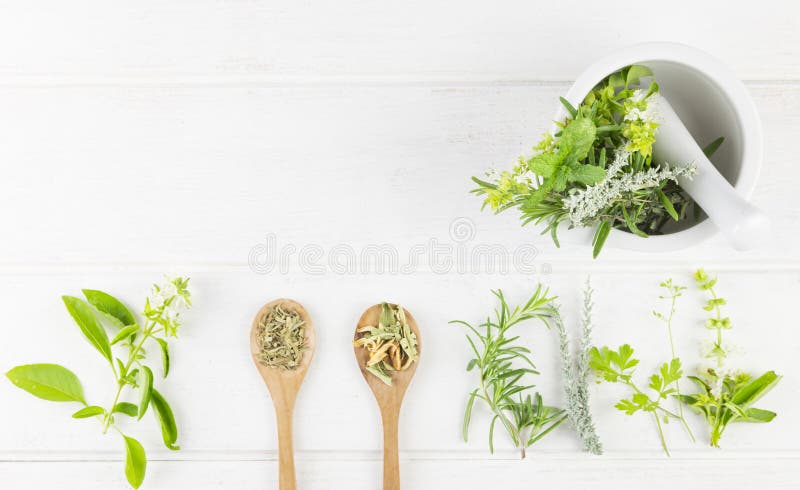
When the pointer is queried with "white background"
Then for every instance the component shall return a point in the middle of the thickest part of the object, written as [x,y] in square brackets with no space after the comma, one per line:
[151,136]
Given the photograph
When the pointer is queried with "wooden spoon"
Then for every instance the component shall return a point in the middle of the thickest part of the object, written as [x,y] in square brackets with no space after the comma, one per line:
[389,398]
[283,386]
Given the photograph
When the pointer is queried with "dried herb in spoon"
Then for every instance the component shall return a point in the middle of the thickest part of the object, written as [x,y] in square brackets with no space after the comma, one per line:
[281,338]
[391,344]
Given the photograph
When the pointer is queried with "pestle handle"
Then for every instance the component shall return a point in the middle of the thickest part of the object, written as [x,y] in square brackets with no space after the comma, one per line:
[743,225]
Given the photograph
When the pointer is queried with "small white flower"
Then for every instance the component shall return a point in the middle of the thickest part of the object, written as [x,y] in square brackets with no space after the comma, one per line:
[732,348]
[652,110]
[179,304]
[716,390]
[707,348]
[156,299]
[168,290]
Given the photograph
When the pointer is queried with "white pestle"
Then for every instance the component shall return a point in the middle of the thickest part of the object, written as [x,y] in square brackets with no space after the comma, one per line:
[744,225]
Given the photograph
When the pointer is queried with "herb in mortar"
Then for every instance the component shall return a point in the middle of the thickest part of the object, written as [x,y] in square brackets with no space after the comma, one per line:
[597,170]
[126,357]
[501,364]
[281,338]
[391,344]
[726,394]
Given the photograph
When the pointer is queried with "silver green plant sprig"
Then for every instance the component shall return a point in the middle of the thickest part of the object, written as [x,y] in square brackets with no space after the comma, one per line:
[726,394]
[576,373]
[96,316]
[501,364]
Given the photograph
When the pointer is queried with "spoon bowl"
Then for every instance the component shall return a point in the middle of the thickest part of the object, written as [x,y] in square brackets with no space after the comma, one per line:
[283,386]
[389,398]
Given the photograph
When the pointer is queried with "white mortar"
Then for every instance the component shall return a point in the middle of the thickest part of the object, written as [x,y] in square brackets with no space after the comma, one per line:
[711,101]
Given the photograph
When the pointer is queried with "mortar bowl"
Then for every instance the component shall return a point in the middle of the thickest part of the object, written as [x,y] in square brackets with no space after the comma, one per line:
[711,101]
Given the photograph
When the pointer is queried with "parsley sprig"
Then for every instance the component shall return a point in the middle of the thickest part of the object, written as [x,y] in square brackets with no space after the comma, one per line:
[619,366]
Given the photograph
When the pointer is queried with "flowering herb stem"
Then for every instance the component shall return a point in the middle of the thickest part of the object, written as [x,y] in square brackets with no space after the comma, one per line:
[96,316]
[673,292]
[726,394]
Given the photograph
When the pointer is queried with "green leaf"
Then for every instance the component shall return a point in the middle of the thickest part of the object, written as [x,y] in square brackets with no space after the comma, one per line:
[635,72]
[559,181]
[91,328]
[468,414]
[615,80]
[169,430]
[569,107]
[668,207]
[544,164]
[600,236]
[671,372]
[164,355]
[758,415]
[586,174]
[576,139]
[628,407]
[630,222]
[625,357]
[48,382]
[713,146]
[109,305]
[135,462]
[643,402]
[752,391]
[652,89]
[87,412]
[126,408]
[125,333]
[146,390]
[491,434]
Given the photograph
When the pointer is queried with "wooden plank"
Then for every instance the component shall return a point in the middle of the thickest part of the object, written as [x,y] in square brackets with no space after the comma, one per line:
[222,405]
[768,472]
[213,41]
[202,175]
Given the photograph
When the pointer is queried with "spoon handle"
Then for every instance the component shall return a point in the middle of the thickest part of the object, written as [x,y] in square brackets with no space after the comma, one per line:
[286,477]
[391,459]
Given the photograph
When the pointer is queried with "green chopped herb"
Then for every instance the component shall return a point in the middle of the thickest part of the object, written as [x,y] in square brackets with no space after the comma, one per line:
[282,338]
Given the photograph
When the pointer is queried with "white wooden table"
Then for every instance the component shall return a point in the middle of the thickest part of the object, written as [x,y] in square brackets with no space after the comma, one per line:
[145,137]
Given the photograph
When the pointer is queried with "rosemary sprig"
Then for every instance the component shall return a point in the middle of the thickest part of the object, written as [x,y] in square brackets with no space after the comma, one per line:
[501,364]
